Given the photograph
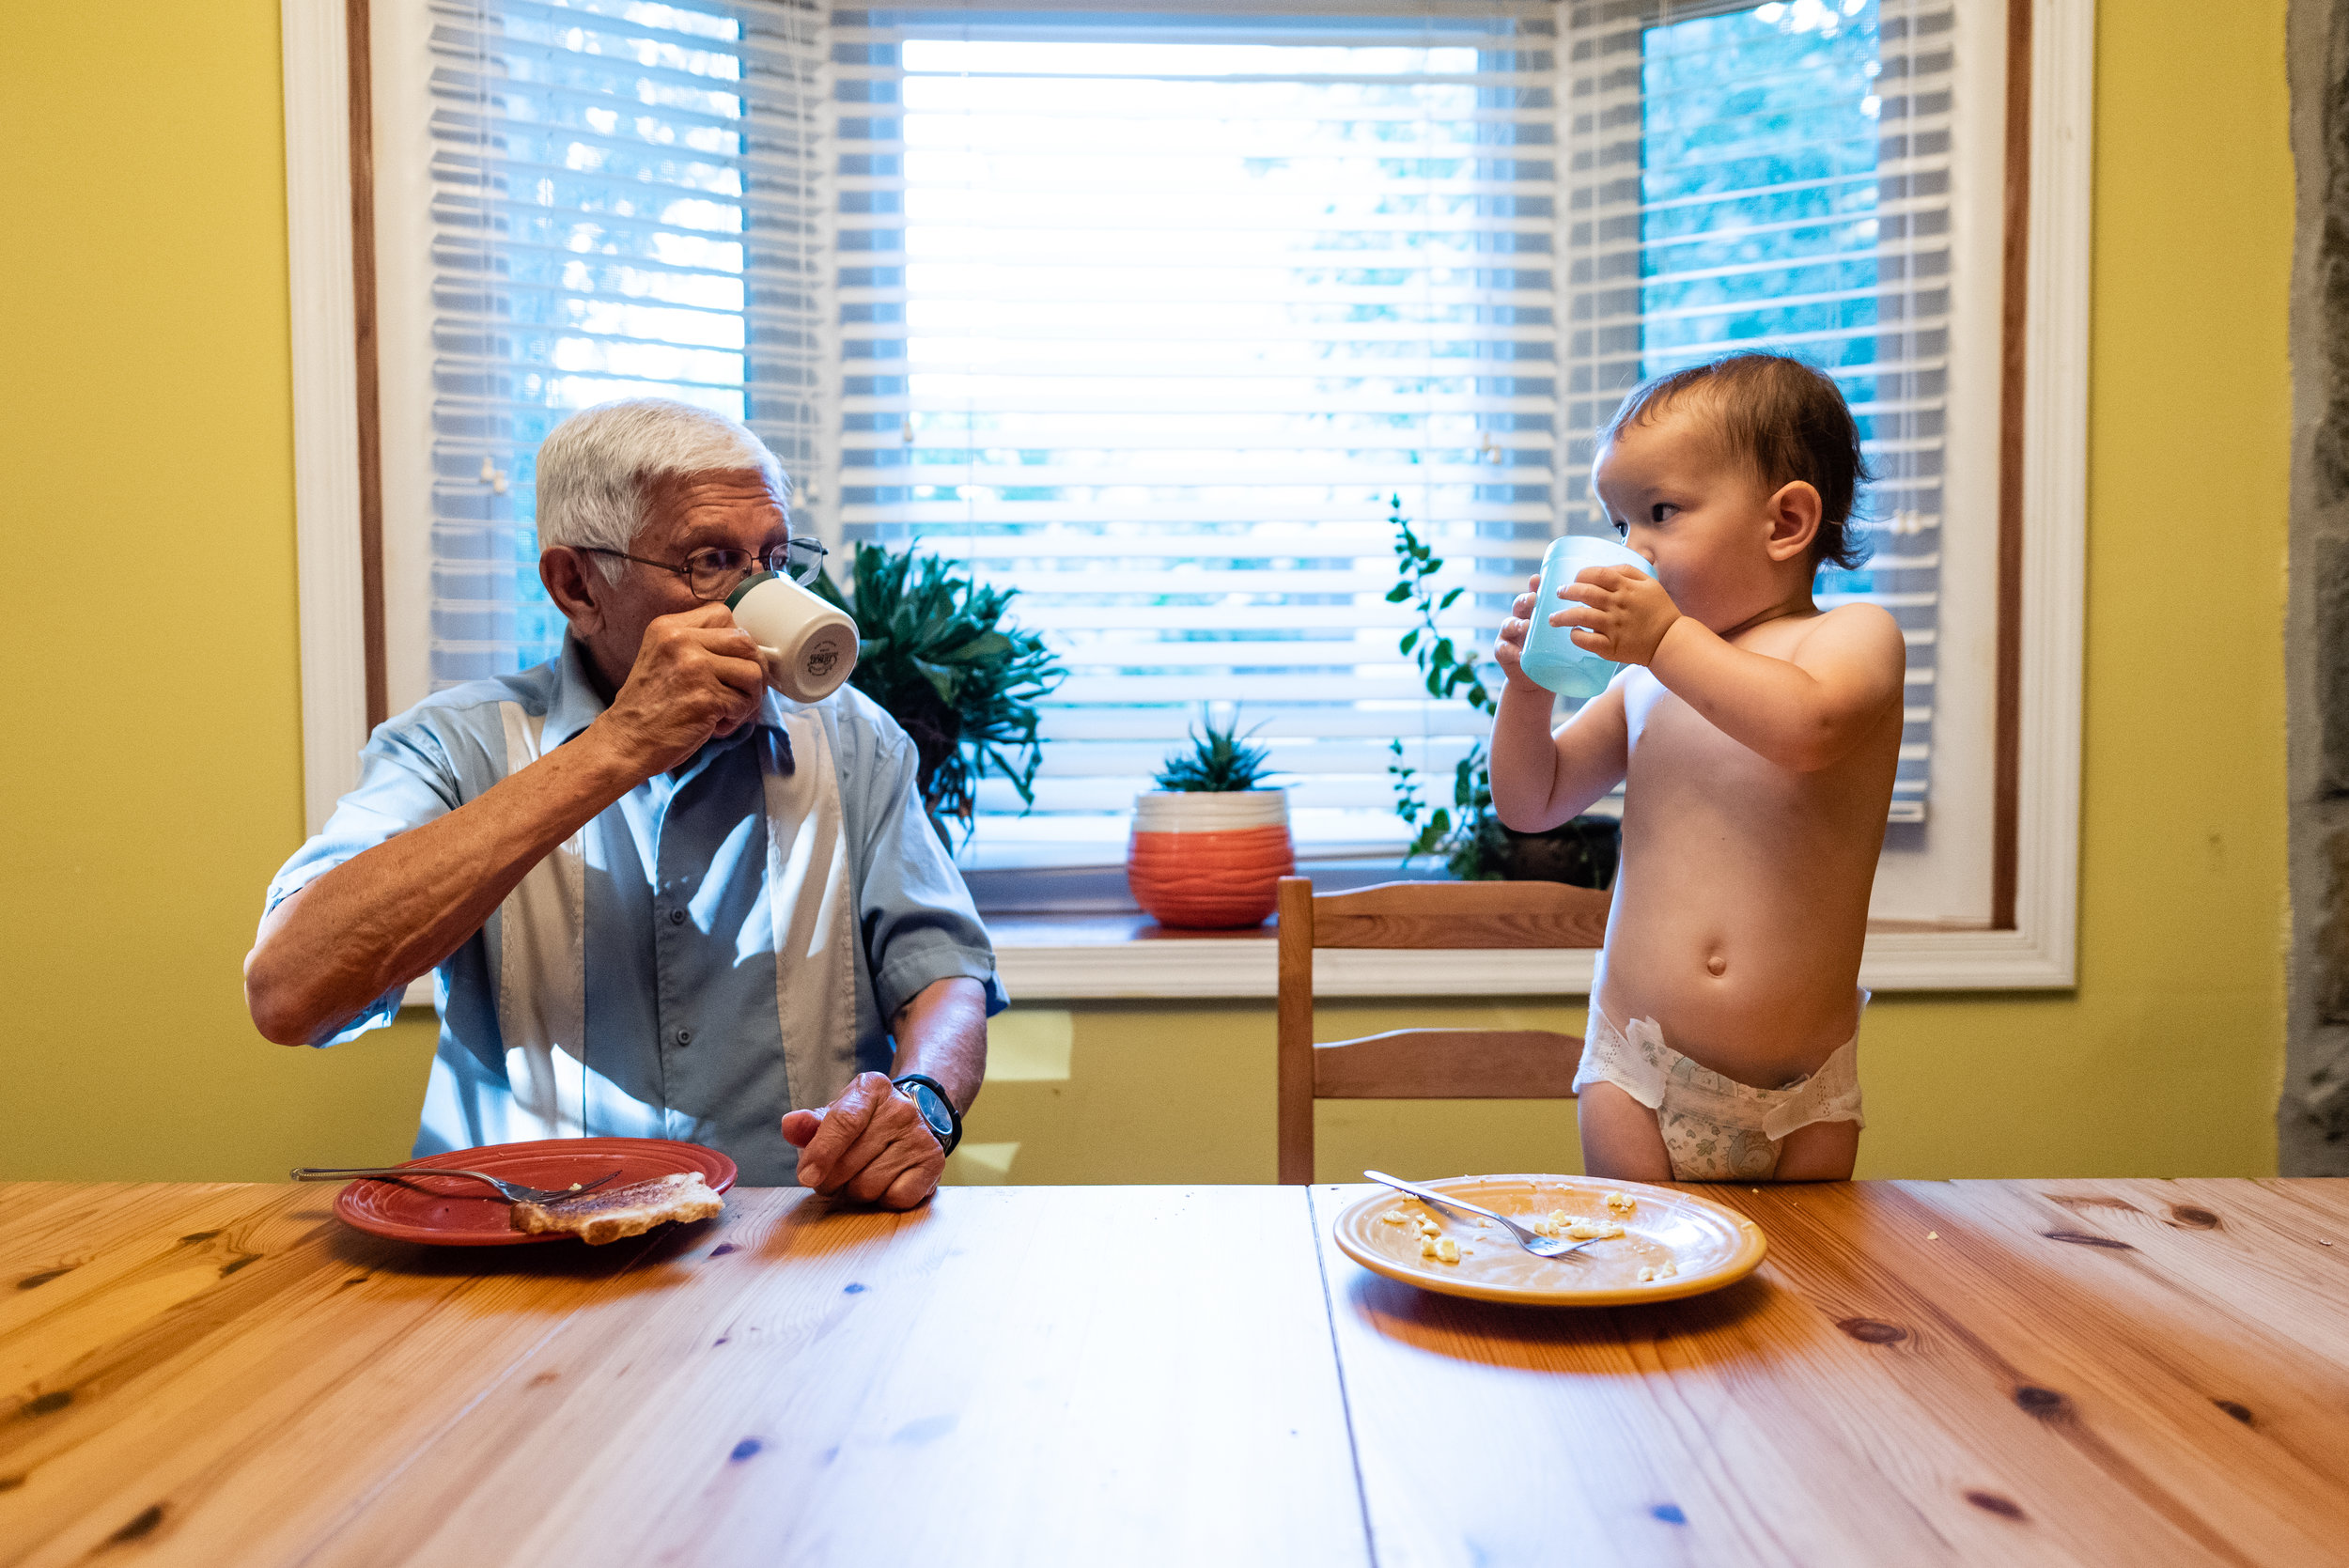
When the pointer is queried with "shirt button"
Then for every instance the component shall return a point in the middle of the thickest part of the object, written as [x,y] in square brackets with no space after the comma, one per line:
[677,917]
[684,1036]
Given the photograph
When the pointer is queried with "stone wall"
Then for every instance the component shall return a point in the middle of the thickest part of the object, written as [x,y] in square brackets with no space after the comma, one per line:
[2312,1118]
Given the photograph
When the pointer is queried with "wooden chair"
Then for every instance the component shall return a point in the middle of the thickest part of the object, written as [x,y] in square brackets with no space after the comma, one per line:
[1420,1064]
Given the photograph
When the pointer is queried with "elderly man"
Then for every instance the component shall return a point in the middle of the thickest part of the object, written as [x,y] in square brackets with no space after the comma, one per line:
[662,901]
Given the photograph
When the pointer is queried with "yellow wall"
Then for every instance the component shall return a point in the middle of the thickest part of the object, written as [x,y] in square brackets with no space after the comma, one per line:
[153,776]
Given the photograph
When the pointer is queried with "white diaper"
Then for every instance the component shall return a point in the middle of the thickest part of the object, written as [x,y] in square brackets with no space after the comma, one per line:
[1715,1128]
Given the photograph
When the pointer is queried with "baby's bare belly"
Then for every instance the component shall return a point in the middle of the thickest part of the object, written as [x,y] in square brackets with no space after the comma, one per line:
[1742,902]
[1748,962]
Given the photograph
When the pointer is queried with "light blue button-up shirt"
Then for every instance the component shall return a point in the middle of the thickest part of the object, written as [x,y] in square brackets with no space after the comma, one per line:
[682,1030]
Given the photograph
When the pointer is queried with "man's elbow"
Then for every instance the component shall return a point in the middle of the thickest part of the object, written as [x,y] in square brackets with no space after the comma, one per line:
[281,1015]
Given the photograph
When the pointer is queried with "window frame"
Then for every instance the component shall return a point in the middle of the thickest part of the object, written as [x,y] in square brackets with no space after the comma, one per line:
[337,186]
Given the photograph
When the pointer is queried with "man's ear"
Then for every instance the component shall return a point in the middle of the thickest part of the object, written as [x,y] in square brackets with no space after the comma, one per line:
[576,586]
[1793,514]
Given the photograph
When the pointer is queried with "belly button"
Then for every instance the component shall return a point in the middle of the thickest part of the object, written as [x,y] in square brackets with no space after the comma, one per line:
[1717,965]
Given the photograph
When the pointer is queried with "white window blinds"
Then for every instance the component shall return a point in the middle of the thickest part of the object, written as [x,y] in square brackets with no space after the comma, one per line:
[621,205]
[1148,312]
[1774,176]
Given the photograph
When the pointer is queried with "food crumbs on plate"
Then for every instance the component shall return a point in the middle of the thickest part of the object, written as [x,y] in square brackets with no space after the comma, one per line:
[1394,1217]
[574,1187]
[1622,1203]
[1447,1250]
[1428,1247]
[1660,1272]
[1593,1230]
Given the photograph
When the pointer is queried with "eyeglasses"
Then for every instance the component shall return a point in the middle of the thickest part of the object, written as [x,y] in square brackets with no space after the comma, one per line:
[716,572]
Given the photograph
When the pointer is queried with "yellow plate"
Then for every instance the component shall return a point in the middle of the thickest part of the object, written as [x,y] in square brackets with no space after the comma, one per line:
[1709,1245]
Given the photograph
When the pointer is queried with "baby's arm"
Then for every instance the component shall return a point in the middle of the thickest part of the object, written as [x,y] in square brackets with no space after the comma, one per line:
[1803,713]
[1540,780]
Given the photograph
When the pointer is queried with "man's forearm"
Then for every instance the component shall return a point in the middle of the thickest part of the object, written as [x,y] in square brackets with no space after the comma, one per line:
[382,918]
[942,1033]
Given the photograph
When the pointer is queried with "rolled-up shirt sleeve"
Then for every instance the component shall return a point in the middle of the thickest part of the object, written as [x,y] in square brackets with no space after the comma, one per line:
[405,781]
[918,922]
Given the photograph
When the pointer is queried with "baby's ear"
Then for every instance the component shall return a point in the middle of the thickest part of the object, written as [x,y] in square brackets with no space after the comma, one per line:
[1794,513]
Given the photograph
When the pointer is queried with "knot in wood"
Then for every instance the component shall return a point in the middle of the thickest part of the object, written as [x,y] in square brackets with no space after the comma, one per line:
[1872,1331]
[2081,1238]
[144,1524]
[2194,1218]
[2045,1404]
[2240,1412]
[1990,1502]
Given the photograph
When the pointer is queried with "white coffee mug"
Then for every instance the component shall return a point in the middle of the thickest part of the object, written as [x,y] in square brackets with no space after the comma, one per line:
[808,647]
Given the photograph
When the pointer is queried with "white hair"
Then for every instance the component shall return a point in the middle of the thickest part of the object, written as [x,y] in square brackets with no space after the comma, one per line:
[594,468]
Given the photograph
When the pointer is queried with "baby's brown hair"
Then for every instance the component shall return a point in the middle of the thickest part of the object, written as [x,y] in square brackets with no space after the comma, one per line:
[1786,418]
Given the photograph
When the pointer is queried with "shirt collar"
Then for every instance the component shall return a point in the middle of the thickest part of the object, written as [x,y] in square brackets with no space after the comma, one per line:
[577,705]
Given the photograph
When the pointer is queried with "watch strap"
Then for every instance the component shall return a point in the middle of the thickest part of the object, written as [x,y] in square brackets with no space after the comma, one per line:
[954,1133]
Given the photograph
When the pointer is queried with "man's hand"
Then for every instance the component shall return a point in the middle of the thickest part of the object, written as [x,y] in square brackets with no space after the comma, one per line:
[696,674]
[870,1144]
[1617,614]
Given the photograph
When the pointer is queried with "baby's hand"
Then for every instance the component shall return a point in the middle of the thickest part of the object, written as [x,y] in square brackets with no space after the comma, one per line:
[1617,614]
[1509,641]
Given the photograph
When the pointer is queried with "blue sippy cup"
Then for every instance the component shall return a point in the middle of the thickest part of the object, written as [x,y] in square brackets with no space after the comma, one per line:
[1552,658]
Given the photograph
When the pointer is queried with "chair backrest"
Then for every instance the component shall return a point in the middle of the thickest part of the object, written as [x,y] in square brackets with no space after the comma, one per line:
[1420,1064]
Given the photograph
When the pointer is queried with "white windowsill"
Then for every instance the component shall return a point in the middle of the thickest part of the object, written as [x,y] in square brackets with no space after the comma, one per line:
[1104,959]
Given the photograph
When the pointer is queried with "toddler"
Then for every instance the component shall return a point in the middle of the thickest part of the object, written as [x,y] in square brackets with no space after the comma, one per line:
[1757,736]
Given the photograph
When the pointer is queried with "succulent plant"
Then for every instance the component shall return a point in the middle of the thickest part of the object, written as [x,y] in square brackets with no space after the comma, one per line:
[1218,762]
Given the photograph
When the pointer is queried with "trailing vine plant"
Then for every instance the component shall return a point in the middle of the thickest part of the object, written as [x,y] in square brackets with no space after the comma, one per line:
[1466,832]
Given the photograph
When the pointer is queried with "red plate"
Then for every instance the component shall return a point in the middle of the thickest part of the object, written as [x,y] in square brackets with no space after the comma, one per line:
[450,1211]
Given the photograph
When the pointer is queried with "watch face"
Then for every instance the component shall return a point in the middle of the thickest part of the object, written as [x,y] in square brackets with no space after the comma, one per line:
[933,1109]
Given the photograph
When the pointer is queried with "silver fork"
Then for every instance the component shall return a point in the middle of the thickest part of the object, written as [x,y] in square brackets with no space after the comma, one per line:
[513,1192]
[1540,1246]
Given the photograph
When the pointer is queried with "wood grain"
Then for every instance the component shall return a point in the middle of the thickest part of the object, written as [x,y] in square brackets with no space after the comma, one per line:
[1460,915]
[1449,1063]
[1293,1042]
[2003,1341]
[1083,1375]
[2013,388]
[2062,1372]
[358,32]
[223,1396]
[1869,1396]
[1423,1064]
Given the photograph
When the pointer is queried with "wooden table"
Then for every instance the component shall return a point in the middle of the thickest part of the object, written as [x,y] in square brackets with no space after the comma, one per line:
[2073,1372]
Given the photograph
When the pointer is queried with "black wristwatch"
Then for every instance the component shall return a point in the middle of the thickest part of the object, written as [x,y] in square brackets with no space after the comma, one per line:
[937,1112]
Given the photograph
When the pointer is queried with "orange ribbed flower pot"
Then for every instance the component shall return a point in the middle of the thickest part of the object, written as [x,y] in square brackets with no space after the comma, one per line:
[1209,862]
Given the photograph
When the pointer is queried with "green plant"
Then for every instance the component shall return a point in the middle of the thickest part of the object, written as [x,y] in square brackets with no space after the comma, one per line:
[935,653]
[1473,843]
[1219,762]
[1465,833]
